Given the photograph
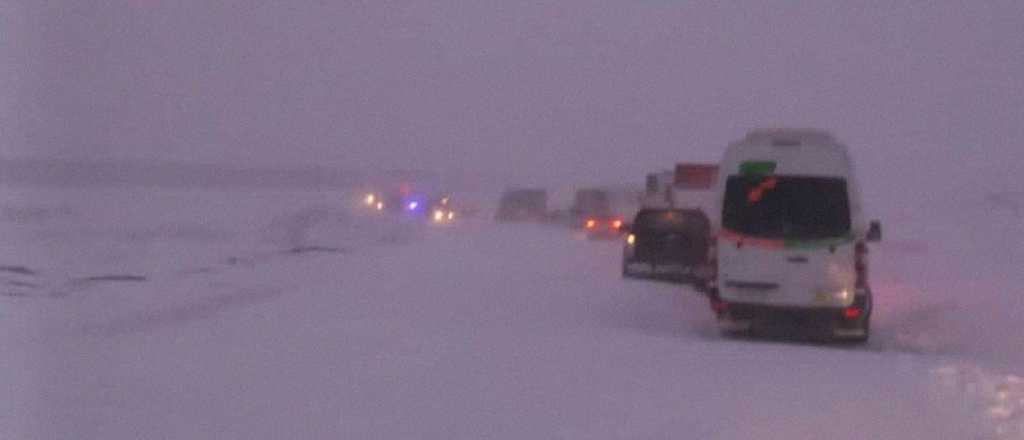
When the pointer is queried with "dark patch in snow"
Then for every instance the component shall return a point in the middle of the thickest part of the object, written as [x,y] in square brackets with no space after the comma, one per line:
[202,309]
[33,214]
[315,249]
[197,271]
[181,232]
[19,288]
[114,278]
[192,232]
[20,270]
[76,285]
[238,261]
[1013,201]
[291,230]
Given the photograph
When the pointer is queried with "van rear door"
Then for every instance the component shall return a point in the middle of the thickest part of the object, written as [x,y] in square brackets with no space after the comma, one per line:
[786,240]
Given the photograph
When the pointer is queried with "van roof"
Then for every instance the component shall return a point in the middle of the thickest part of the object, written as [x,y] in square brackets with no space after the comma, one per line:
[801,151]
[789,136]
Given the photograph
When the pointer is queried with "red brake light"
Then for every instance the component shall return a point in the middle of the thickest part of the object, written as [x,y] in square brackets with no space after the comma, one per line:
[852,312]
[591,224]
[617,224]
[719,306]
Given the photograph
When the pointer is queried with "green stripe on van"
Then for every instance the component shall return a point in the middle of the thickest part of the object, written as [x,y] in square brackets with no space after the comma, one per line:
[756,168]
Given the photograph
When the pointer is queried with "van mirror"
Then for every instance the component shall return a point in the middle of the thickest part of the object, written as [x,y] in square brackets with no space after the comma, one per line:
[874,231]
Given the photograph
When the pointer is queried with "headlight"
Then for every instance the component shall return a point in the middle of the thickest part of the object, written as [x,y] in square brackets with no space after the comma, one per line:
[438,216]
[370,198]
[631,239]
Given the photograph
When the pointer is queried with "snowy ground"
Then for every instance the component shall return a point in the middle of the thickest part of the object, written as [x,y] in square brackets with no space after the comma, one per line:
[186,314]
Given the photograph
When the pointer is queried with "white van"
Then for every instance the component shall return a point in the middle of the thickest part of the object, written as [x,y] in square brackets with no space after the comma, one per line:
[791,243]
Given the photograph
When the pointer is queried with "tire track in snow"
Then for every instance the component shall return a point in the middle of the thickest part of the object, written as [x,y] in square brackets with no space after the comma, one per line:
[18,282]
[19,270]
[82,284]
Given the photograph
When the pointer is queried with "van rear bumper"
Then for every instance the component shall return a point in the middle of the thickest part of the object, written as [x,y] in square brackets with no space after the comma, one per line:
[831,319]
[743,311]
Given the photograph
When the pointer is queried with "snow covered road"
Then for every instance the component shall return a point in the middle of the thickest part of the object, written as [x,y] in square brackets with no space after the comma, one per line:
[474,331]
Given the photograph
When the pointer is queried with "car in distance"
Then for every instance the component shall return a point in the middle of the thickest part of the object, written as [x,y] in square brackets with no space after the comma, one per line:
[522,205]
[601,212]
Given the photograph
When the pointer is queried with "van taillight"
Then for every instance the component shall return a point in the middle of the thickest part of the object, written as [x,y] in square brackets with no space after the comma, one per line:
[852,312]
[860,264]
[719,306]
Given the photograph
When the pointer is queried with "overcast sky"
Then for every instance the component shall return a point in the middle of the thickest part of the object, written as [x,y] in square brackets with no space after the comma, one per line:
[532,91]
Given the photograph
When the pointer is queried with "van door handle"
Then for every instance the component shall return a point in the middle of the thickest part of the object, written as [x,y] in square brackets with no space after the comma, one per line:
[797,259]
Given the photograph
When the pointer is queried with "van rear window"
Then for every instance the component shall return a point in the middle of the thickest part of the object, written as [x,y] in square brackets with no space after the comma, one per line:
[786,207]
